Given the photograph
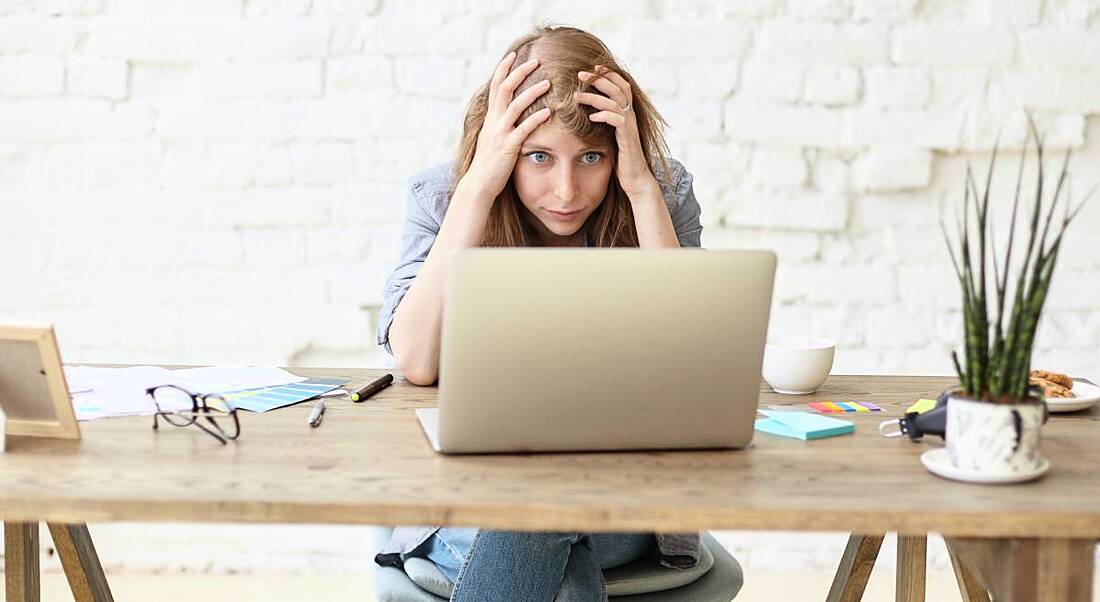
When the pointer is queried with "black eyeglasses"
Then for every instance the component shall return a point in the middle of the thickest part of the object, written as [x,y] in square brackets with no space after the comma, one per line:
[172,403]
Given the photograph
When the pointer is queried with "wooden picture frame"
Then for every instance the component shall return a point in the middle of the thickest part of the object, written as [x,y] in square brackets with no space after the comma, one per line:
[33,393]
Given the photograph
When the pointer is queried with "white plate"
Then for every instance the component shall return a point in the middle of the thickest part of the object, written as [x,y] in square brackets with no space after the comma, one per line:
[1085,396]
[939,463]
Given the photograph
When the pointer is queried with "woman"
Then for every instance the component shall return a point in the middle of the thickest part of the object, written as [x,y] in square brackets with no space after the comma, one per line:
[559,148]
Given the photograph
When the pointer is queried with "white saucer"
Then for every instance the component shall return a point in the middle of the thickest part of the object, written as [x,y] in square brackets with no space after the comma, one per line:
[1085,396]
[939,463]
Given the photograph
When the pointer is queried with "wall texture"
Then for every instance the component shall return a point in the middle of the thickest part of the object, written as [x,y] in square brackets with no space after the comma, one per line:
[221,181]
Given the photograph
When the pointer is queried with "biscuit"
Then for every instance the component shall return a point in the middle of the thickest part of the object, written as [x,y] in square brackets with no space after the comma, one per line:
[1051,389]
[1054,377]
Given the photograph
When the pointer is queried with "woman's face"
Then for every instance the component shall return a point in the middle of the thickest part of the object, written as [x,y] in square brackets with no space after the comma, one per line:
[561,180]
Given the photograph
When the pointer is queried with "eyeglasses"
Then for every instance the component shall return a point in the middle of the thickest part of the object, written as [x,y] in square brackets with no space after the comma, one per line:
[173,402]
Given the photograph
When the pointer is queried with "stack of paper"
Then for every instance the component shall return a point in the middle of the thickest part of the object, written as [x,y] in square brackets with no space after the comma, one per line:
[101,392]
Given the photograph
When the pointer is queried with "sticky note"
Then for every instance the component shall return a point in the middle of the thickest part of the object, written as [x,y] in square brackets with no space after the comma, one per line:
[838,407]
[922,406]
[802,425]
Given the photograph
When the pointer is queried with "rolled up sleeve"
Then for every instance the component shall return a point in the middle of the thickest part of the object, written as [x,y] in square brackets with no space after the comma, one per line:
[683,207]
[417,236]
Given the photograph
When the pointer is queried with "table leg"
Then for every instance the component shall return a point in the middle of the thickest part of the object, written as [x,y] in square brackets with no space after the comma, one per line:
[970,586]
[21,562]
[855,568]
[1030,568]
[1065,569]
[81,563]
[910,572]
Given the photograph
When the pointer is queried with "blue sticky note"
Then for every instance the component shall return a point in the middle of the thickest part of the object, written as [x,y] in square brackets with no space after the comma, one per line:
[803,425]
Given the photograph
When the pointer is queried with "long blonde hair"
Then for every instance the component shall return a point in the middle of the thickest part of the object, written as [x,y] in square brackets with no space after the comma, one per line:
[562,52]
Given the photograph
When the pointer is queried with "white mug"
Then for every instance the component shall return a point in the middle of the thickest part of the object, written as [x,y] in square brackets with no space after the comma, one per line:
[797,365]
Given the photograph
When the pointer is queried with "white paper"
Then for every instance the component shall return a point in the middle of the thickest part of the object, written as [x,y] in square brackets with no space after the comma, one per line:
[101,392]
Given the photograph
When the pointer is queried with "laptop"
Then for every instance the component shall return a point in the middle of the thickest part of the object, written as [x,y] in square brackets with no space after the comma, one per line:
[600,349]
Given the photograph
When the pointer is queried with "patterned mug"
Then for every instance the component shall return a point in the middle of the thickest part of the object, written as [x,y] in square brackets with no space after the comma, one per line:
[993,438]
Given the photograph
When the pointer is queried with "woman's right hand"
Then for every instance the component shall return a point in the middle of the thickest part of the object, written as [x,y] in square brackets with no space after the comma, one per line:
[500,139]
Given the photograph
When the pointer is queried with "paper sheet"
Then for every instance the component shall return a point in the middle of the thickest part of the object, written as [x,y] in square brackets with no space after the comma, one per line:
[101,392]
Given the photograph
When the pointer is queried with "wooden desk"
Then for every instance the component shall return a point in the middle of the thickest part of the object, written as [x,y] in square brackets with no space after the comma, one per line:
[370,464]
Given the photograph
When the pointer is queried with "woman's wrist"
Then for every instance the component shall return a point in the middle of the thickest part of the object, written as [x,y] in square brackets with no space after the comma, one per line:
[648,192]
[477,187]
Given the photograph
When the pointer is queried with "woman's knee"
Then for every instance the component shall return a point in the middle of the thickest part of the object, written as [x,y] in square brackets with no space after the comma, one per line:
[610,550]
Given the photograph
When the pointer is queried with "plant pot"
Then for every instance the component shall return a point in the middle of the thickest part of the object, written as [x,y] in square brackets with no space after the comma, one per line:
[994,438]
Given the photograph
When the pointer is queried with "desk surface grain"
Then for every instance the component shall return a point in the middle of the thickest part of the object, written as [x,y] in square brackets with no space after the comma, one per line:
[369,463]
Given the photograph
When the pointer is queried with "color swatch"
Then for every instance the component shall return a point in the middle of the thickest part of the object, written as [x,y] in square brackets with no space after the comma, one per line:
[270,398]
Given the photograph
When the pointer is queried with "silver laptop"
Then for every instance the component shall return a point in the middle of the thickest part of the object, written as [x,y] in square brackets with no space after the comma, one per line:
[600,349]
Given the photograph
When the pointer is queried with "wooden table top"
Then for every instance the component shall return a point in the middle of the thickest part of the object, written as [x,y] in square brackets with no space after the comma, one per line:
[369,463]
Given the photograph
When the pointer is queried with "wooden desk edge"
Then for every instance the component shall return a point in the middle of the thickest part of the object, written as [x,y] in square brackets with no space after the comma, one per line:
[552,518]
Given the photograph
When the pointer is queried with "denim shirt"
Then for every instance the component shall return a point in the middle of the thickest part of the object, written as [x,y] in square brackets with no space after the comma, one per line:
[426,204]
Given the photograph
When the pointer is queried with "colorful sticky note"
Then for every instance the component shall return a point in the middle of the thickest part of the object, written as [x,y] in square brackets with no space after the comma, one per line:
[802,425]
[840,407]
[922,406]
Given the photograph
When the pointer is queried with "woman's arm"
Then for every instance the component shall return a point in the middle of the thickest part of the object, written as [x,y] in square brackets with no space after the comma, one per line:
[655,226]
[415,331]
[652,220]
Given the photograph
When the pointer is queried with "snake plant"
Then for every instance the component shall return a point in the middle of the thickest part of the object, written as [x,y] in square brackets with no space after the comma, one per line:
[998,345]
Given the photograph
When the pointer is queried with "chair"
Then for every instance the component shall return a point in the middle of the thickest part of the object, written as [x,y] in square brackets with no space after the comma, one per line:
[716,578]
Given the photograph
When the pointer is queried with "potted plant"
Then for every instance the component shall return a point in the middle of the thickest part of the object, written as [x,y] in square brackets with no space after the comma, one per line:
[994,417]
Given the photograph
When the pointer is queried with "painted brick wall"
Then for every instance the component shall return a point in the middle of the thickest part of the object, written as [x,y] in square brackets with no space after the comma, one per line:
[222,180]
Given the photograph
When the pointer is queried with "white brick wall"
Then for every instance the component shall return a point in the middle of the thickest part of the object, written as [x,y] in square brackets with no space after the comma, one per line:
[175,173]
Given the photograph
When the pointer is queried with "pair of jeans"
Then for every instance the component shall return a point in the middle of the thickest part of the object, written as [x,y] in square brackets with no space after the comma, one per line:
[509,565]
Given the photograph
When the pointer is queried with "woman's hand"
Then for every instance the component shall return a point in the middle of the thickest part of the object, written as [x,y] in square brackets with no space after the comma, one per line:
[616,110]
[500,139]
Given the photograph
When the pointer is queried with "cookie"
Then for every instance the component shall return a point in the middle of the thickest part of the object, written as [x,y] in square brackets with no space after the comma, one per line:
[1051,389]
[1054,377]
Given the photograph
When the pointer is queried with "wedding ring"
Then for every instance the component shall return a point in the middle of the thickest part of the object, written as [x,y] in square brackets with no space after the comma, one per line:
[625,107]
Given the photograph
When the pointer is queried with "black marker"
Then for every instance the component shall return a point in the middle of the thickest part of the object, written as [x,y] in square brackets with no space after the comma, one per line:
[371,389]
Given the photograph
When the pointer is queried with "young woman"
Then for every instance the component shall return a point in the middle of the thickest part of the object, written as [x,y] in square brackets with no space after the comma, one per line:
[559,148]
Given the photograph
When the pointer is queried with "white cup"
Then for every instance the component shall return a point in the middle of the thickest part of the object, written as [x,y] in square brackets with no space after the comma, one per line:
[797,365]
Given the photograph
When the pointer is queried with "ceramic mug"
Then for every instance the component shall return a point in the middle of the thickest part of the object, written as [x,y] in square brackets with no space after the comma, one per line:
[994,438]
[797,365]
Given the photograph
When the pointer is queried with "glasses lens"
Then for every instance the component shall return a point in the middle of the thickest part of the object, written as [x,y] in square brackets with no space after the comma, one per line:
[222,416]
[216,405]
[174,399]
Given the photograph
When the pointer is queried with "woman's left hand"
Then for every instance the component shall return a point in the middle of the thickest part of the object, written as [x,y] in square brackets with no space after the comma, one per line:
[616,109]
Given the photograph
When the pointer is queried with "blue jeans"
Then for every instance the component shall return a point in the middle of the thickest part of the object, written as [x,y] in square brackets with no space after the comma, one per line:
[507,565]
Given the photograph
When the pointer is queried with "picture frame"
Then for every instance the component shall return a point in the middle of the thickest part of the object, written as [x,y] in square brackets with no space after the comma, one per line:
[33,392]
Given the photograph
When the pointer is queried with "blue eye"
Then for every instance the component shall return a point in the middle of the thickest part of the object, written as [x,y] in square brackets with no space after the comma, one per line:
[539,157]
[591,158]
